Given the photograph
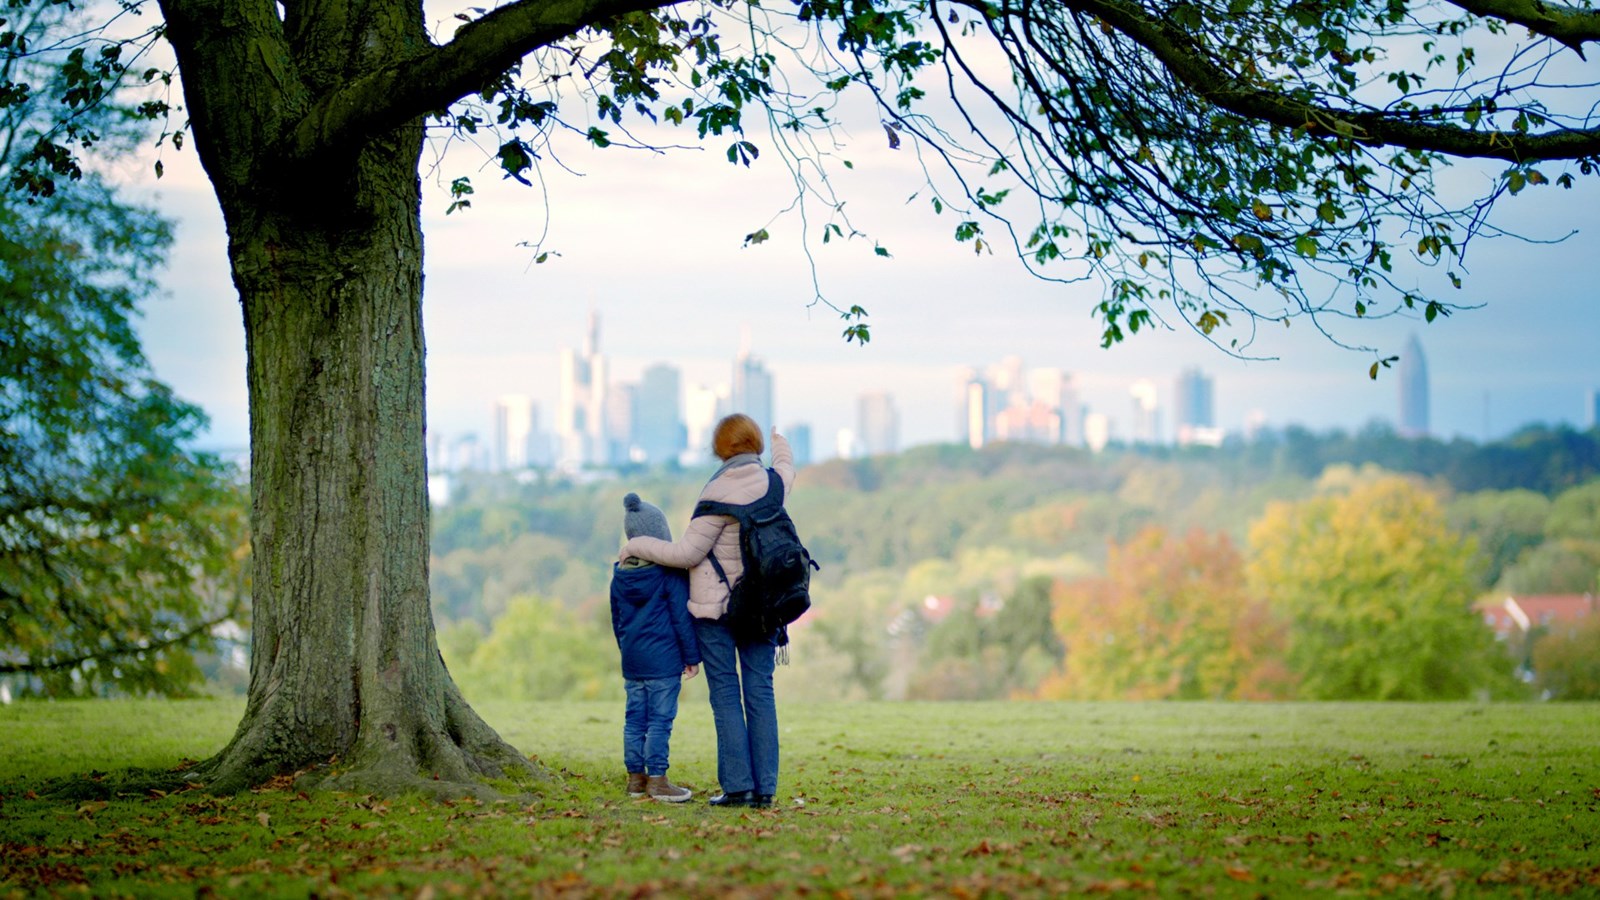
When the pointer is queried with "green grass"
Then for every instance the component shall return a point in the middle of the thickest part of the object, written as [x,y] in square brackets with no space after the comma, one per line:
[892,800]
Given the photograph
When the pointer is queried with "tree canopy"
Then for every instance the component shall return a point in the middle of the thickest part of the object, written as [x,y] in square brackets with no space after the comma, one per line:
[1210,163]
[120,546]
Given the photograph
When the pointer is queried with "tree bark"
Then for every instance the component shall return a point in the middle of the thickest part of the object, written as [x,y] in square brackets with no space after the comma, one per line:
[346,677]
[345,665]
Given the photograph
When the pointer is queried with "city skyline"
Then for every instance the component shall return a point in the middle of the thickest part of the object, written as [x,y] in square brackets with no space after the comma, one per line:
[693,294]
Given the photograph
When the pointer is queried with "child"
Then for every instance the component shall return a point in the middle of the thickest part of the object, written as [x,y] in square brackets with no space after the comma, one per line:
[650,616]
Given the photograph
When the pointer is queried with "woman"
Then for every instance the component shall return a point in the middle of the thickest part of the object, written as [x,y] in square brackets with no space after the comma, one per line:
[739,676]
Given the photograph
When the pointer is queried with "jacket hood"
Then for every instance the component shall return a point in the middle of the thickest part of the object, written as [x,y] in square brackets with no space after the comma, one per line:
[635,582]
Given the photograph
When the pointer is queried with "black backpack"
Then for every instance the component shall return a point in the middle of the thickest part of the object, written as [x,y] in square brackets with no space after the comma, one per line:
[775,588]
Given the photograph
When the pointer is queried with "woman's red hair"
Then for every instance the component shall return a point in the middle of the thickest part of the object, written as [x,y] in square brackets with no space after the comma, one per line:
[737,434]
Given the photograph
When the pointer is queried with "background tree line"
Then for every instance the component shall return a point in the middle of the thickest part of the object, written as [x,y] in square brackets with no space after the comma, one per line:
[1227,572]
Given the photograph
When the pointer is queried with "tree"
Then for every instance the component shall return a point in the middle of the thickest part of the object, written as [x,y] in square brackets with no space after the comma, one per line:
[538,649]
[120,547]
[1376,592]
[1171,619]
[1568,559]
[1166,149]
[1506,524]
[1567,662]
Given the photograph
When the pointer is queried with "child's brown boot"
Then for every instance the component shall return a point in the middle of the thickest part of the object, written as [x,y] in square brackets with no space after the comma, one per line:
[638,784]
[661,789]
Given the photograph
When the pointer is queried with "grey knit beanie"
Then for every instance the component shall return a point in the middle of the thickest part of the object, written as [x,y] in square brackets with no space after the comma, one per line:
[644,519]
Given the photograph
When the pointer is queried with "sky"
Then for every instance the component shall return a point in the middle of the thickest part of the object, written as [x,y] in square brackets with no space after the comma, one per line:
[654,243]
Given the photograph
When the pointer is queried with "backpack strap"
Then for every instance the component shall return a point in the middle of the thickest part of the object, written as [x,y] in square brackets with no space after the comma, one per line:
[740,512]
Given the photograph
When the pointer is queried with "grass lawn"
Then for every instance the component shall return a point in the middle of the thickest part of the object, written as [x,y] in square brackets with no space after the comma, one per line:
[878,800]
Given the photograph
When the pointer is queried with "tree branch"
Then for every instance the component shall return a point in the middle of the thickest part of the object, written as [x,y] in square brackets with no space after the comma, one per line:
[444,74]
[1224,89]
[118,651]
[1569,25]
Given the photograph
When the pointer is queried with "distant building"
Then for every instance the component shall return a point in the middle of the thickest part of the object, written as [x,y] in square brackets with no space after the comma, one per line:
[1413,391]
[1594,409]
[703,407]
[972,409]
[658,428]
[751,392]
[1515,616]
[580,413]
[514,421]
[618,435]
[1146,412]
[799,435]
[1096,431]
[846,445]
[877,424]
[1033,423]
[1194,409]
[1007,403]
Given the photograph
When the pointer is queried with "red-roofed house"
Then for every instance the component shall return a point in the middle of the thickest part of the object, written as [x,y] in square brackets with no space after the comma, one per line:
[1519,615]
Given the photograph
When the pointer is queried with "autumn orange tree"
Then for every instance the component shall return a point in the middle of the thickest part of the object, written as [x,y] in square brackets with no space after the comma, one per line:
[1208,162]
[1376,592]
[1170,619]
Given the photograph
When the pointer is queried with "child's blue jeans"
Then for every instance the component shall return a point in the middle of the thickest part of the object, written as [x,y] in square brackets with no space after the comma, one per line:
[647,724]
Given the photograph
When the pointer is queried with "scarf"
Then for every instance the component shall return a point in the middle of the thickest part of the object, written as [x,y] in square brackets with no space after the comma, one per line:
[738,459]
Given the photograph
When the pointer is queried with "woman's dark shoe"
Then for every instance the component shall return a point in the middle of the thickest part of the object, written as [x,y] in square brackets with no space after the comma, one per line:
[733,798]
[761,801]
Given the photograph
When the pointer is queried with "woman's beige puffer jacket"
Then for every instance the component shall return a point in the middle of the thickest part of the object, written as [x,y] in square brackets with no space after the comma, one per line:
[708,596]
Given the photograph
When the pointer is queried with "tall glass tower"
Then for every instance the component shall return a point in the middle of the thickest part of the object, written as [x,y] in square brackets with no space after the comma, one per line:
[1413,391]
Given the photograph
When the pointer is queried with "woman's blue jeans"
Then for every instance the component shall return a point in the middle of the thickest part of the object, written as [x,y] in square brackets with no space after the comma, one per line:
[647,723]
[739,680]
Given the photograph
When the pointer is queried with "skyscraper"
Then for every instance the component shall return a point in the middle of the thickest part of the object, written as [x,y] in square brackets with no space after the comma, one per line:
[799,435]
[877,424]
[514,419]
[972,409]
[619,443]
[702,408]
[580,416]
[752,391]
[1193,408]
[1146,413]
[1594,409]
[1413,391]
[658,430]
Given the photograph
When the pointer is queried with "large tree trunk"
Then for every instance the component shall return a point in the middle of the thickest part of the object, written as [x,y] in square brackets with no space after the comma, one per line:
[345,663]
[346,677]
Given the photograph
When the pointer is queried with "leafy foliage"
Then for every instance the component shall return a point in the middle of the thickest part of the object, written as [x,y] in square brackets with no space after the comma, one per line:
[1567,662]
[1212,164]
[537,650]
[1170,619]
[981,529]
[119,546]
[1376,592]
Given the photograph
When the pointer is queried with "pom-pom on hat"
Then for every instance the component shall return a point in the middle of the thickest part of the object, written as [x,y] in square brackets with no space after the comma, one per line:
[644,519]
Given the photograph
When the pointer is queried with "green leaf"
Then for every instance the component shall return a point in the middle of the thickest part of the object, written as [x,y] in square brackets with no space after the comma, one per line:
[743,152]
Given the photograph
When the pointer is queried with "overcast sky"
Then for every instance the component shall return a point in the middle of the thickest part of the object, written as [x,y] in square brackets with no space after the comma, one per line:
[654,244]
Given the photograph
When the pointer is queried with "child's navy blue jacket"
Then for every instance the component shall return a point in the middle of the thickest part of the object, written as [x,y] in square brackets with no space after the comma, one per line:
[650,617]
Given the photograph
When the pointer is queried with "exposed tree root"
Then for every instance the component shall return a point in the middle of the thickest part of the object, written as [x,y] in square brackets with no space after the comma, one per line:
[453,759]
